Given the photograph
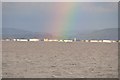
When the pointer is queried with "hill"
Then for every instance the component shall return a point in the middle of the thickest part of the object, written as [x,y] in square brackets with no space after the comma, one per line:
[110,33]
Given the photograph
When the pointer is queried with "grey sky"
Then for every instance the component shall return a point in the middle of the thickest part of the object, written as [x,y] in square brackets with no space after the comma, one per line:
[41,16]
[0,14]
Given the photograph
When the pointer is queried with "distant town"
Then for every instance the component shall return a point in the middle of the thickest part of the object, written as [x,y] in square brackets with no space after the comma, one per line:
[58,40]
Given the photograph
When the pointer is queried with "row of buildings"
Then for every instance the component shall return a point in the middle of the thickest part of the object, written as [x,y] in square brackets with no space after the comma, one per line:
[20,39]
[65,40]
[46,40]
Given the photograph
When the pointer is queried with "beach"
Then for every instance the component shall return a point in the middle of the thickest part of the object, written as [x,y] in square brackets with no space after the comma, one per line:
[59,60]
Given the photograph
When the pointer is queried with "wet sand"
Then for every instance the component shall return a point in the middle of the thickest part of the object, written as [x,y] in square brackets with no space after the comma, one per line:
[59,60]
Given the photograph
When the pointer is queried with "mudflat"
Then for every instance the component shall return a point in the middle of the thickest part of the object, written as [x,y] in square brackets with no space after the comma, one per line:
[59,60]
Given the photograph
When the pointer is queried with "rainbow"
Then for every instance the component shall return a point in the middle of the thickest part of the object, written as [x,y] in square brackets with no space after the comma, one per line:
[64,23]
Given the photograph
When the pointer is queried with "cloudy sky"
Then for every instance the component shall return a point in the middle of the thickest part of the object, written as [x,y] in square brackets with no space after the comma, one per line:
[60,16]
[0,19]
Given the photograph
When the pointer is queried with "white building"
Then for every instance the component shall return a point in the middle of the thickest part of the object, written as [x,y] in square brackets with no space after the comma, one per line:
[82,40]
[50,40]
[75,39]
[94,41]
[22,39]
[68,40]
[60,41]
[118,40]
[14,39]
[87,40]
[53,40]
[33,39]
[45,40]
[7,39]
[113,41]
[100,40]
[107,41]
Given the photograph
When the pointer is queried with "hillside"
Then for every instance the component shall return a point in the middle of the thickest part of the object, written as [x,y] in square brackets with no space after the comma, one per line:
[110,33]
